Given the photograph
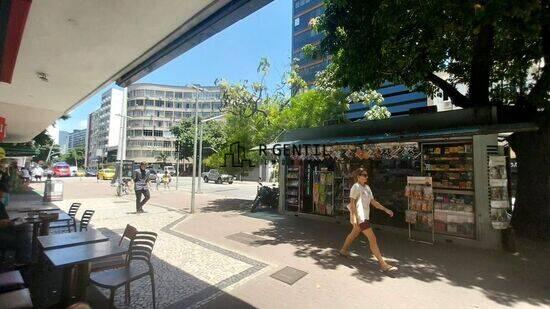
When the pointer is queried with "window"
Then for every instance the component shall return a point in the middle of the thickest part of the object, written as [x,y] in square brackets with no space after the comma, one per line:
[158,133]
[131,103]
[187,95]
[158,124]
[168,114]
[149,103]
[179,95]
[147,123]
[138,133]
[167,144]
[149,93]
[140,93]
[179,105]
[147,132]
[177,114]
[139,102]
[168,134]
[159,103]
[170,94]
[169,104]
[159,113]
[159,94]
[149,113]
[187,105]
[296,21]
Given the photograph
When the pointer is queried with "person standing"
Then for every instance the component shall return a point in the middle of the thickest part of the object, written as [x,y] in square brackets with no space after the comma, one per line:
[166,179]
[361,198]
[141,179]
[37,173]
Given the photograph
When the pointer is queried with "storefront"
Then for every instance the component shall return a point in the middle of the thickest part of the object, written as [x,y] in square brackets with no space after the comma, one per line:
[463,207]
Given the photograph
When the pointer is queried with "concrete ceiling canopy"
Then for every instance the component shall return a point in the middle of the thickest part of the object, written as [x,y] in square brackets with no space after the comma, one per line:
[71,49]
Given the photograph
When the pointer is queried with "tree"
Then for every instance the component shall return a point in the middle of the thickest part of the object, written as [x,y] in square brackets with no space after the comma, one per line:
[74,156]
[163,157]
[185,133]
[500,49]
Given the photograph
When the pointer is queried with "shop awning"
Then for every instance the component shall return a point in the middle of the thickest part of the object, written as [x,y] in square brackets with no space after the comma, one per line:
[461,123]
[17,150]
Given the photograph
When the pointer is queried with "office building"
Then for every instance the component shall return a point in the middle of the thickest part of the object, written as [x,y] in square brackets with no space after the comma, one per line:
[154,109]
[76,139]
[397,98]
[104,128]
[63,141]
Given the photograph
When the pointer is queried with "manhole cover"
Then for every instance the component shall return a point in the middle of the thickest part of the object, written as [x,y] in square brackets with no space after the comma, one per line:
[289,275]
[246,239]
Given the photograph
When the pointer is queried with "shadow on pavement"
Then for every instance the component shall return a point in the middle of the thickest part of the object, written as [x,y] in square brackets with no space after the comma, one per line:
[502,277]
[227,204]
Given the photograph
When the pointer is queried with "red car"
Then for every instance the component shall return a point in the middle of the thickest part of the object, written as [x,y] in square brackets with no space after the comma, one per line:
[61,169]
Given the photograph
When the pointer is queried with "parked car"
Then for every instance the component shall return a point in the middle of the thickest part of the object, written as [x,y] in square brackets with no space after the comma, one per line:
[106,174]
[80,173]
[91,172]
[61,169]
[170,169]
[73,169]
[215,176]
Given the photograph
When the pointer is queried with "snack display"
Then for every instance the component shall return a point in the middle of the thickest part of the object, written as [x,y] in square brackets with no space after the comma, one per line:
[420,195]
[292,195]
[451,167]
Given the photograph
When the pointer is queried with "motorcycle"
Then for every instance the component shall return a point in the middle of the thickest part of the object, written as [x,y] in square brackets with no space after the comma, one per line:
[266,195]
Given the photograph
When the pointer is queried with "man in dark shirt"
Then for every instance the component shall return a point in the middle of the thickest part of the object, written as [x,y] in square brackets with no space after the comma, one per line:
[141,179]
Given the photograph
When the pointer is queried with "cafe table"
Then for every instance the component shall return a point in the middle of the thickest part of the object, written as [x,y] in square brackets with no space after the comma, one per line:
[57,241]
[37,209]
[80,257]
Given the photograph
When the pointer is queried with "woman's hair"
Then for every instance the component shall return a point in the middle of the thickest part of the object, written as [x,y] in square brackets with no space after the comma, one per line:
[358,172]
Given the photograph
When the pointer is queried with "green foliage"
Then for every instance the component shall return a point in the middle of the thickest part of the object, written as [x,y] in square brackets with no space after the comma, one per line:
[494,47]
[163,157]
[74,156]
[213,136]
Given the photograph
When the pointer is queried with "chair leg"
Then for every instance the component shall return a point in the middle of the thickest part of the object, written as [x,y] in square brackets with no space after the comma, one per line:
[153,290]
[69,226]
[127,293]
[112,299]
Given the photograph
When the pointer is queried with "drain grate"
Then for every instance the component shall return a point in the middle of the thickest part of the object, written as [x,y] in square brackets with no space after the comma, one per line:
[289,275]
[247,239]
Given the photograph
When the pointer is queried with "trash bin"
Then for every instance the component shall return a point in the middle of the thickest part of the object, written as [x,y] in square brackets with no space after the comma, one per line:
[53,190]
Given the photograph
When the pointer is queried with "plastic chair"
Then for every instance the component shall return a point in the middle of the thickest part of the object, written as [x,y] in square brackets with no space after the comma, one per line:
[141,248]
[72,213]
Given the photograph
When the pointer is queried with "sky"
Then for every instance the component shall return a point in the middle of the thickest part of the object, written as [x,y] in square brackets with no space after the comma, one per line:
[233,54]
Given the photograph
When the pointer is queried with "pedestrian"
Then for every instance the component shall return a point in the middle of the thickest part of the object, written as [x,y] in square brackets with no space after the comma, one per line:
[361,198]
[166,179]
[141,179]
[26,175]
[37,172]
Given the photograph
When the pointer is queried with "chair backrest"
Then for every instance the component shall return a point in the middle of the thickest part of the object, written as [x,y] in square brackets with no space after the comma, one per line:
[86,217]
[141,247]
[129,232]
[74,209]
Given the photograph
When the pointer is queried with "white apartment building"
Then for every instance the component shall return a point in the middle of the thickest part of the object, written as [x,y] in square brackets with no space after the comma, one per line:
[153,110]
[104,127]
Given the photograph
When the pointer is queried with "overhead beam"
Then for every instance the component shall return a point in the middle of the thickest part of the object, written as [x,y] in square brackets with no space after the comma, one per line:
[13,18]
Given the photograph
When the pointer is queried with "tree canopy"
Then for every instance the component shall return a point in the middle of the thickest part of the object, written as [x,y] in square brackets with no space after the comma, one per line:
[497,48]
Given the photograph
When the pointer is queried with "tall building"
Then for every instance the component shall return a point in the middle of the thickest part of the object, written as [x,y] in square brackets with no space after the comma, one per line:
[154,109]
[104,127]
[76,139]
[63,141]
[397,98]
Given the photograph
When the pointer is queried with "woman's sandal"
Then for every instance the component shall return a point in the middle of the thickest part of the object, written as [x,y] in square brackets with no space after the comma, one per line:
[389,269]
[342,254]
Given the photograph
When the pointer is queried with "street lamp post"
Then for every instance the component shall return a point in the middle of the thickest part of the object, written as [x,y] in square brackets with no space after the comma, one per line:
[121,150]
[200,147]
[197,89]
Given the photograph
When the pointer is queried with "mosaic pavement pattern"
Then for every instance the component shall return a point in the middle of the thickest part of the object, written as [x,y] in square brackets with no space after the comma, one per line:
[188,271]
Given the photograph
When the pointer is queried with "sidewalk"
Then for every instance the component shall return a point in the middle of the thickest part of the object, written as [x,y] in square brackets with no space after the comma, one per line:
[223,257]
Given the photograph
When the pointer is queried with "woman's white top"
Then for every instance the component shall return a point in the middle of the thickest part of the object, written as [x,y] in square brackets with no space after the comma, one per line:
[364,196]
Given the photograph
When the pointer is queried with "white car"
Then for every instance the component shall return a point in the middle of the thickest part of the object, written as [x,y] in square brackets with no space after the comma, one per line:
[170,169]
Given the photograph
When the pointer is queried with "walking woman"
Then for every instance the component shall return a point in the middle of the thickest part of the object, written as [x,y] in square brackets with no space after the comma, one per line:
[361,198]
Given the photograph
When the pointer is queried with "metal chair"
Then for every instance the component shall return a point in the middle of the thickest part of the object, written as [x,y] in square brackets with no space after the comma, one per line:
[86,217]
[72,213]
[141,248]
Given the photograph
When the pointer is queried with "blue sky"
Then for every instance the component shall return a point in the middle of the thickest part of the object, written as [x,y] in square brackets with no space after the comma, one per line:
[232,54]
